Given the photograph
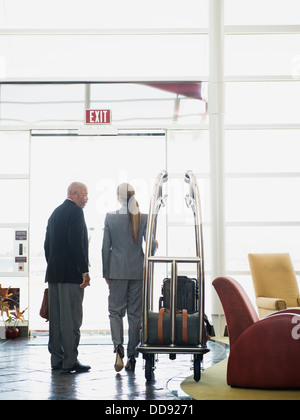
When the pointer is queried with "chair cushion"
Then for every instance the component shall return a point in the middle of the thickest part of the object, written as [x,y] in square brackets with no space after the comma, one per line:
[274,276]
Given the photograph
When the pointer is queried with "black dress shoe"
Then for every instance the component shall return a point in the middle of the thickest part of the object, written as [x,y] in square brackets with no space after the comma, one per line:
[58,367]
[78,367]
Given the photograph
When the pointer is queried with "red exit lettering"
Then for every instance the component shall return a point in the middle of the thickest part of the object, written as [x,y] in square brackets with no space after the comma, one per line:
[98,116]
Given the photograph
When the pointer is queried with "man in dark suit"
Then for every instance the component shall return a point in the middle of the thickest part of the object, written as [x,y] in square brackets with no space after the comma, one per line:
[66,252]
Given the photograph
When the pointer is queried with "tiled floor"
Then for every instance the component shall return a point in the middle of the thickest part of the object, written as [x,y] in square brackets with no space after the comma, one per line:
[25,373]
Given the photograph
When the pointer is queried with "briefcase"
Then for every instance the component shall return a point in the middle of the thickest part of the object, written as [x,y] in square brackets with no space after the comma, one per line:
[44,311]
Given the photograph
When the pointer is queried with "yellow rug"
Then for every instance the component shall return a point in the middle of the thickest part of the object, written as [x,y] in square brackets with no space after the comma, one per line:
[213,386]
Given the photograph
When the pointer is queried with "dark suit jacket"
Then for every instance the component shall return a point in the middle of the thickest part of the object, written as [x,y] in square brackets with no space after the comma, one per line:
[66,244]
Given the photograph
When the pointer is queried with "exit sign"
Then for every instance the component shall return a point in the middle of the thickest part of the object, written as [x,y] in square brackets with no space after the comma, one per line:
[98,116]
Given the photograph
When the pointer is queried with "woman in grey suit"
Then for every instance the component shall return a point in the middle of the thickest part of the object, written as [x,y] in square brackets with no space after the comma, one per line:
[122,260]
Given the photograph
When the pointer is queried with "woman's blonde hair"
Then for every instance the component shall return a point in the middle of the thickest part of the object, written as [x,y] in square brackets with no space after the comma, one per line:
[126,193]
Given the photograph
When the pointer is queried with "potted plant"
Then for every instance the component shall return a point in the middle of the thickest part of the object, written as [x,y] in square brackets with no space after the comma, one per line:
[13,319]
[12,322]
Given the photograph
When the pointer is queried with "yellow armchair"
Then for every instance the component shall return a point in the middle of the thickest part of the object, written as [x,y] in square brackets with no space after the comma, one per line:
[275,283]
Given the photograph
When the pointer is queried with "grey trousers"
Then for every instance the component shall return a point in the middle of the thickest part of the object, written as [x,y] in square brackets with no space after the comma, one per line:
[125,295]
[65,311]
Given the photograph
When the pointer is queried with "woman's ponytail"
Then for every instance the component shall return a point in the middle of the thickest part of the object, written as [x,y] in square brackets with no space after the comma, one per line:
[126,193]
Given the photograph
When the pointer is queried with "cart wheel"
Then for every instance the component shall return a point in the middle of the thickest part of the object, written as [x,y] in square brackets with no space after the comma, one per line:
[197,367]
[149,366]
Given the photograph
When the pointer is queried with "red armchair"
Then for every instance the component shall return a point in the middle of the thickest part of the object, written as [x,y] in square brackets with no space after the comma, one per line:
[264,353]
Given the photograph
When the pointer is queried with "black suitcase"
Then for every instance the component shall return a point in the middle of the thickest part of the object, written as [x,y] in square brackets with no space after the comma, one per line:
[187,294]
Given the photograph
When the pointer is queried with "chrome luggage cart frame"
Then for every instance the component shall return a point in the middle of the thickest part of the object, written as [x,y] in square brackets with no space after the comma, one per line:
[147,349]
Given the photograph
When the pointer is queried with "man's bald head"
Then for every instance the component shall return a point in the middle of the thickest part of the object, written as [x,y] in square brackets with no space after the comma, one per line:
[78,193]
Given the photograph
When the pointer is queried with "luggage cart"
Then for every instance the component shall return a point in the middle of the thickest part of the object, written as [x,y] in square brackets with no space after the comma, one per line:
[147,347]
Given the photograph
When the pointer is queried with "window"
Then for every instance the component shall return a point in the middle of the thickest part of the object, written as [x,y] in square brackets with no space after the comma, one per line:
[95,57]
[267,54]
[256,12]
[262,102]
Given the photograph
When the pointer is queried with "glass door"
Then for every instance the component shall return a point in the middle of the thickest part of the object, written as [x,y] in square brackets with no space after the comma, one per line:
[101,162]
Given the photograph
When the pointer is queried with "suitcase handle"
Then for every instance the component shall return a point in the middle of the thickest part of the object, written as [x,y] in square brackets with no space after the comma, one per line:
[160,324]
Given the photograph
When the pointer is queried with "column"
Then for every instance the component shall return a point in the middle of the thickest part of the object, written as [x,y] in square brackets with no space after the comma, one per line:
[216,137]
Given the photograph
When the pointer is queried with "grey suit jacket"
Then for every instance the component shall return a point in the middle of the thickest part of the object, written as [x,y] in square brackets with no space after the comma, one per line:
[122,258]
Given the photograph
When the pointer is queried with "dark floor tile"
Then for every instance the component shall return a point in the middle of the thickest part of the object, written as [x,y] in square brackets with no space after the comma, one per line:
[25,373]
